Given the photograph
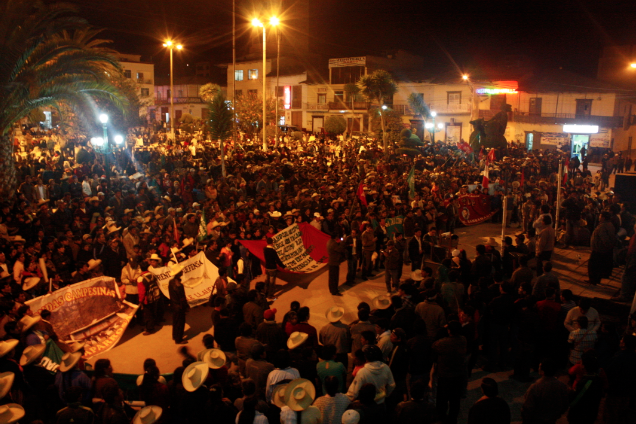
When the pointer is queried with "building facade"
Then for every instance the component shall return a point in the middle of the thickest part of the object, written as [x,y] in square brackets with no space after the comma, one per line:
[143,74]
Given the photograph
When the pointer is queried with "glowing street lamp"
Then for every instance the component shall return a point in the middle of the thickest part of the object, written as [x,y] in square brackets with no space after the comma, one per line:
[119,139]
[633,65]
[169,44]
[257,23]
[465,77]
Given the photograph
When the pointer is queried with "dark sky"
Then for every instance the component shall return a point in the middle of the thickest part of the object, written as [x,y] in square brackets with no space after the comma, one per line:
[477,35]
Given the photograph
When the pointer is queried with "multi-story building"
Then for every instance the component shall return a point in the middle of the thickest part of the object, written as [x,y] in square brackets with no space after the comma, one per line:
[143,73]
[186,98]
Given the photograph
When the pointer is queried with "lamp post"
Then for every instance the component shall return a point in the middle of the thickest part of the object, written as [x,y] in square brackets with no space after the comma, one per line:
[273,21]
[257,23]
[171,46]
[103,118]
[433,115]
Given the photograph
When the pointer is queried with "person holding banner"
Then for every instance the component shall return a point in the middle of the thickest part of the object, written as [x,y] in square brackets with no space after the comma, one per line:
[272,261]
[178,304]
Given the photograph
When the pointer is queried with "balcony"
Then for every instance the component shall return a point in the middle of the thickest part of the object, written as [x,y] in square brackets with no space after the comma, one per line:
[317,106]
[348,105]
[177,100]
[144,81]
[445,108]
[566,118]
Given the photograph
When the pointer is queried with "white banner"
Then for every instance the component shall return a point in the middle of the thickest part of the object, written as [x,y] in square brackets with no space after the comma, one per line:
[199,275]
[291,251]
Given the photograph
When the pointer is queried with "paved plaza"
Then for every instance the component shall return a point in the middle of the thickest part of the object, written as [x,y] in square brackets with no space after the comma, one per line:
[570,264]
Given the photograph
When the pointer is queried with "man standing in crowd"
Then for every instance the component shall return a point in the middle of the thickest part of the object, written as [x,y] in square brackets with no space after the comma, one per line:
[336,250]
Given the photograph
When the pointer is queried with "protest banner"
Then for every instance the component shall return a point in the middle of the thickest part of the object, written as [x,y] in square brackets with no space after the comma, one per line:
[90,311]
[199,275]
[394,225]
[301,247]
[474,209]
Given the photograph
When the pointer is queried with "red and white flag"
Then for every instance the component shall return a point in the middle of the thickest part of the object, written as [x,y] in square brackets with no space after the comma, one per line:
[361,195]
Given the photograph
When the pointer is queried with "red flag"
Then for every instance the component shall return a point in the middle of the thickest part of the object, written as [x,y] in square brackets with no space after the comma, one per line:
[481,153]
[484,182]
[491,156]
[523,174]
[361,195]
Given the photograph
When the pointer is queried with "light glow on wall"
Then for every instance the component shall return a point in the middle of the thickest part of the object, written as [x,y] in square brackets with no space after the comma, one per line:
[287,96]
[580,129]
[496,91]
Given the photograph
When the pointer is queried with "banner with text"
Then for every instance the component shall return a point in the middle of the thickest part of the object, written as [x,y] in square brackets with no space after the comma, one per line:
[302,248]
[199,275]
[474,209]
[91,311]
[394,225]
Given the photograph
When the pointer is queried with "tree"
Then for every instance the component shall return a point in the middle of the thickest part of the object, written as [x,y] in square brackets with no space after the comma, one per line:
[43,66]
[220,122]
[379,87]
[393,126]
[335,124]
[249,113]
[416,102]
[208,91]
[352,91]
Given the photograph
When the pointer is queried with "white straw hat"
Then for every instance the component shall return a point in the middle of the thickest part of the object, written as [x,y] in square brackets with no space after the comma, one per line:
[335,314]
[11,413]
[6,382]
[31,354]
[148,415]
[296,339]
[300,393]
[215,358]
[194,375]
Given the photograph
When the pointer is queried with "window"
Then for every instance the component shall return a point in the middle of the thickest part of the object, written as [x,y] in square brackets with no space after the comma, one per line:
[238,93]
[583,108]
[346,75]
[252,93]
[238,75]
[145,92]
[322,98]
[338,96]
[297,97]
[534,108]
[252,74]
[127,73]
[453,97]
[140,75]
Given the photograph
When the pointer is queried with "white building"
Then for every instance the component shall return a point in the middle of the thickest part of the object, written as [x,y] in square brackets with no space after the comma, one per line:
[186,98]
[143,73]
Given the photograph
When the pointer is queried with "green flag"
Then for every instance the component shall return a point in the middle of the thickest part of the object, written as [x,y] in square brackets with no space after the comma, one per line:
[203,227]
[411,180]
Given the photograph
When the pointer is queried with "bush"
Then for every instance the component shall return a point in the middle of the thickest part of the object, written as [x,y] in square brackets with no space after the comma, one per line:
[335,125]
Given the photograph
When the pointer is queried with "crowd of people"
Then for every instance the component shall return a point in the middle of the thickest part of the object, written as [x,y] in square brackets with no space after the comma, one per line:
[406,358]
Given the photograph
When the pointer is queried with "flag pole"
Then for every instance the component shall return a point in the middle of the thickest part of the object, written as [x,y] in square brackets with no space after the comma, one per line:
[558,196]
[503,221]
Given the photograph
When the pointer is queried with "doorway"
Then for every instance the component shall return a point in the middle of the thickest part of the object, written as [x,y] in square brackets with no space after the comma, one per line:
[578,142]
[529,140]
[318,122]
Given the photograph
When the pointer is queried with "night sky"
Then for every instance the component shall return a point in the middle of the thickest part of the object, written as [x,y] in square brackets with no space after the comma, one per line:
[476,35]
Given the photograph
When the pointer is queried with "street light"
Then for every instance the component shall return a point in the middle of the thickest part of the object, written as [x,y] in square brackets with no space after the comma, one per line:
[465,77]
[632,65]
[169,44]
[433,115]
[257,23]
[119,139]
[274,21]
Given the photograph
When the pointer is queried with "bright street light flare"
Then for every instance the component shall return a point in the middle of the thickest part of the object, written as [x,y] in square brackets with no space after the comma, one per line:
[103,118]
[97,141]
[273,21]
[429,125]
[179,46]
[433,114]
[465,77]
[119,139]
[167,44]
[632,65]
[440,126]
[256,22]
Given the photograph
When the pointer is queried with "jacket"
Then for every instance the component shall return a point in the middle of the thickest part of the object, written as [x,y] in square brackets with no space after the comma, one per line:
[129,279]
[545,242]
[604,238]
[271,258]
[368,241]
[336,252]
[379,374]
[393,259]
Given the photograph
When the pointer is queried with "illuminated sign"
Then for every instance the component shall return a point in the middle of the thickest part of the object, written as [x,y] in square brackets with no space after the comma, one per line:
[287,96]
[580,129]
[348,61]
[496,91]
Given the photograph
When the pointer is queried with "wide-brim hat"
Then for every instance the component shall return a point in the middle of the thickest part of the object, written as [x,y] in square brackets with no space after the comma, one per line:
[93,263]
[154,257]
[278,396]
[18,239]
[275,214]
[28,321]
[417,275]
[11,413]
[76,346]
[69,361]
[30,282]
[148,415]
[7,346]
[381,302]
[296,339]
[492,242]
[6,381]
[31,354]
[334,314]
[299,394]
[215,358]
[195,375]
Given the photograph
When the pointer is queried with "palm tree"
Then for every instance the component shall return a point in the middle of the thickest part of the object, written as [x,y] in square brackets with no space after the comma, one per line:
[379,87]
[220,123]
[50,58]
